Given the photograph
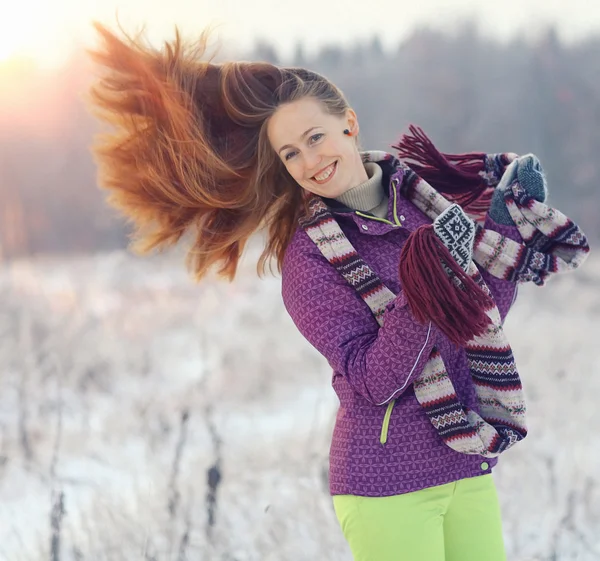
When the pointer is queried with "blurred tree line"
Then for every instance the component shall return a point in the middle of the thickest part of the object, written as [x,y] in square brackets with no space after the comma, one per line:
[468,92]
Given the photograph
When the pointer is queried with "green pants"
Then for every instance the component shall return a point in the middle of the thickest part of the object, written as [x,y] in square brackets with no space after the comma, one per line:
[459,521]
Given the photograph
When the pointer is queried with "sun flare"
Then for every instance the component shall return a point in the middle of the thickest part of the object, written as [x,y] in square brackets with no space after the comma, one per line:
[10,46]
[26,27]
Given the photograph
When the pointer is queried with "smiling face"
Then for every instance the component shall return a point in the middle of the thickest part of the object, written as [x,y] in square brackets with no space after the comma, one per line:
[313,147]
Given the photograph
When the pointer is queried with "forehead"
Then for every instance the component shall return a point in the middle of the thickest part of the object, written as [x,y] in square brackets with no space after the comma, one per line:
[290,120]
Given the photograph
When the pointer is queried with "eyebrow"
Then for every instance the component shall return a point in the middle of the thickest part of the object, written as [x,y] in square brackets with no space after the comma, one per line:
[303,135]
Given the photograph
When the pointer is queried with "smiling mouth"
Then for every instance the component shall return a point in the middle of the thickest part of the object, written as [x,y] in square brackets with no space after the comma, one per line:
[325,175]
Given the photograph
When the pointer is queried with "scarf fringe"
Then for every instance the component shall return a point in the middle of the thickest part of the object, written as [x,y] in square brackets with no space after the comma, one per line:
[457,175]
[457,308]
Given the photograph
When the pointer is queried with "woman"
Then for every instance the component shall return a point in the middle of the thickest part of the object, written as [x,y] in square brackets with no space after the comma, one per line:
[377,272]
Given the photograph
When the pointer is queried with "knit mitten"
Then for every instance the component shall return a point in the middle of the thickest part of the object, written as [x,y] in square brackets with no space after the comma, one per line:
[528,172]
[434,274]
[457,232]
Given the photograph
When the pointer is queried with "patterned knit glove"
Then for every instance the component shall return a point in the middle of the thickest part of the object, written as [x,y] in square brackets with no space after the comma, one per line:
[434,271]
[457,232]
[528,172]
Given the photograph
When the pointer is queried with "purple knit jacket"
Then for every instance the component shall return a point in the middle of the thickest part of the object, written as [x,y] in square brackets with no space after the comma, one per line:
[373,365]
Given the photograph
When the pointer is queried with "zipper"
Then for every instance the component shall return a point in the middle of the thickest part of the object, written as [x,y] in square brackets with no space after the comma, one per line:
[386,422]
[371,217]
[394,185]
[388,412]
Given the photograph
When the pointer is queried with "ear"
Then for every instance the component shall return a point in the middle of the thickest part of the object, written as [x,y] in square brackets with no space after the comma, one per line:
[352,121]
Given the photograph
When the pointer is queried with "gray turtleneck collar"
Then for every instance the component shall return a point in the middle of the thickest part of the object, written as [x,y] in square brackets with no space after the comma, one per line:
[369,196]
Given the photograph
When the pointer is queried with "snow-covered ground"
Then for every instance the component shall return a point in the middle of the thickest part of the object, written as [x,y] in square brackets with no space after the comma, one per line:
[127,391]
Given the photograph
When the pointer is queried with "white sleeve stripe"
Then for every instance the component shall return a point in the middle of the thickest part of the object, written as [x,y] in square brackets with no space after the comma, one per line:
[413,369]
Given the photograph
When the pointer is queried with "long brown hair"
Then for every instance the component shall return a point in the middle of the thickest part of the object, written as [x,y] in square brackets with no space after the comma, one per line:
[189,153]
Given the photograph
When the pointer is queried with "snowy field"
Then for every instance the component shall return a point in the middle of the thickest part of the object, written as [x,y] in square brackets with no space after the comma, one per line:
[145,417]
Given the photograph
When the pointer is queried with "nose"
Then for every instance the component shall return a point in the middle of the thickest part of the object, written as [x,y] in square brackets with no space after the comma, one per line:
[312,160]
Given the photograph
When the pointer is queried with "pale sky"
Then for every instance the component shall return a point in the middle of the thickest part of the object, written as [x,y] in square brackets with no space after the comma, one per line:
[47,29]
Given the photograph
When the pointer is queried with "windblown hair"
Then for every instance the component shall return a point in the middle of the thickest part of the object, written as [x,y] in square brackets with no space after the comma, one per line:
[188,152]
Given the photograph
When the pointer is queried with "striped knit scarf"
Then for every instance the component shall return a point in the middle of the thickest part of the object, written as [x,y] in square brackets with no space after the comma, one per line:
[552,243]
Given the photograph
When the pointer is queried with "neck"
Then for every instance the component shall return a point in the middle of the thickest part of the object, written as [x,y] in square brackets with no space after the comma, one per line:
[360,173]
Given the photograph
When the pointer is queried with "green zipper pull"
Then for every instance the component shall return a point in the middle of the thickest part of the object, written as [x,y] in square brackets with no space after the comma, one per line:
[386,422]
[394,185]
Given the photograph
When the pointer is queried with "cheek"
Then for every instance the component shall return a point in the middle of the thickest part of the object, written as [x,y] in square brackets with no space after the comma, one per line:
[339,149]
[295,169]
[348,150]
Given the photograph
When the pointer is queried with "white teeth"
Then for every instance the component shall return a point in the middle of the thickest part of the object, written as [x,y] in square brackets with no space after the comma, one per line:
[326,173]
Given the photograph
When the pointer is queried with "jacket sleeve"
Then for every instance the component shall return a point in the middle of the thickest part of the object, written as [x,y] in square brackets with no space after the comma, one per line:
[380,363]
[503,291]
